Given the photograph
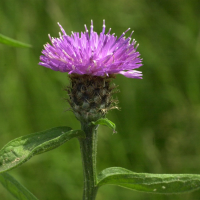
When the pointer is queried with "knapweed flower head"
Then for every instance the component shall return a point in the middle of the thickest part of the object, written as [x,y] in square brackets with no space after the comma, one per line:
[92,54]
[92,61]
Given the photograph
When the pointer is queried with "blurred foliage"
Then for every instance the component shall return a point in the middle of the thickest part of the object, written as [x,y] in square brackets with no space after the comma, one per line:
[158,124]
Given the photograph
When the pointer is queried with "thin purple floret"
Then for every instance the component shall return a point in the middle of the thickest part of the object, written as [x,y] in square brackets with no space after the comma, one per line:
[92,54]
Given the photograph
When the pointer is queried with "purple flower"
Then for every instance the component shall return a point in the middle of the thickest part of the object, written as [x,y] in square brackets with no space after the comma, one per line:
[92,54]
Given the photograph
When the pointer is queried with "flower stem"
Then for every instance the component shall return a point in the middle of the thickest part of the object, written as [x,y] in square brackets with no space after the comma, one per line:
[88,147]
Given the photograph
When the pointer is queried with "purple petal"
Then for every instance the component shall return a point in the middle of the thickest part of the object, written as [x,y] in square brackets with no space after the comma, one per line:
[92,54]
[132,74]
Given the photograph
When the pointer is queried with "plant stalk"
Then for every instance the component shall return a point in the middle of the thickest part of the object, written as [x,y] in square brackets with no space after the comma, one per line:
[88,147]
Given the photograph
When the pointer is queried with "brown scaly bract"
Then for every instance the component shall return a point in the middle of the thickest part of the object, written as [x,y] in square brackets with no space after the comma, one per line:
[90,97]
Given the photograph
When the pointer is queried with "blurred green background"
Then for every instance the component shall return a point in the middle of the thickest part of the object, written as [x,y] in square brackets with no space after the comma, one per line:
[159,121]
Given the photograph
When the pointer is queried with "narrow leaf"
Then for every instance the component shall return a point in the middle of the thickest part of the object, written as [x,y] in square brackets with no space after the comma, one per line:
[105,122]
[15,188]
[19,150]
[154,183]
[11,42]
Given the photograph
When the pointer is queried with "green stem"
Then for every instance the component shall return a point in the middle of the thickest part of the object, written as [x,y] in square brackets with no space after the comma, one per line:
[89,150]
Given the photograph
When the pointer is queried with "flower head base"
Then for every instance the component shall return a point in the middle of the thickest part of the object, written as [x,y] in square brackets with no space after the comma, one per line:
[90,97]
[92,54]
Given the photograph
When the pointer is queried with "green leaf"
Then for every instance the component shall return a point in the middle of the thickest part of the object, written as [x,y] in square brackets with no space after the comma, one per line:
[154,183]
[9,41]
[19,150]
[105,122]
[15,188]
